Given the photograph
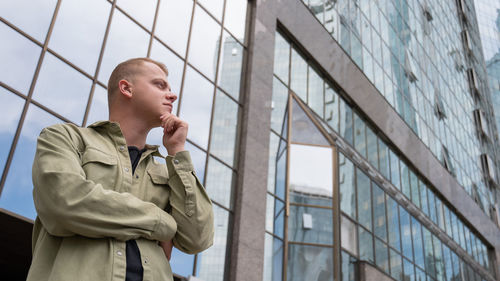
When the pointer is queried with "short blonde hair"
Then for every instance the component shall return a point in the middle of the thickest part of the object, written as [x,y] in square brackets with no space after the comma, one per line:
[128,70]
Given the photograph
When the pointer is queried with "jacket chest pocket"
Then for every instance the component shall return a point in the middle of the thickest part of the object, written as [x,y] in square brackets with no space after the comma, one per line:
[100,167]
[158,190]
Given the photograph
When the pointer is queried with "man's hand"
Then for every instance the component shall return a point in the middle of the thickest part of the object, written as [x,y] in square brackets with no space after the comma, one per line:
[167,248]
[174,133]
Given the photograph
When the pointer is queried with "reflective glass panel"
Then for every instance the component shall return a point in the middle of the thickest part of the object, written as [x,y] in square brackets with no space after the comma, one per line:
[396,268]
[79,31]
[174,64]
[298,78]
[395,169]
[269,213]
[311,172]
[11,107]
[224,126]
[393,223]
[428,252]
[315,92]
[99,108]
[447,263]
[210,263]
[364,199]
[310,225]
[281,168]
[432,206]
[415,190]
[172,25]
[405,180]
[196,106]
[204,44]
[219,182]
[383,152]
[379,212]
[273,259]
[359,134]
[214,7]
[365,243]
[62,89]
[409,271]
[345,121]
[271,170]
[309,263]
[371,143]
[181,263]
[230,64]
[332,107]
[17,194]
[198,158]
[406,233]
[279,103]
[438,258]
[279,218]
[35,16]
[235,18]
[348,267]
[347,186]
[423,197]
[143,11]
[418,247]
[381,255]
[348,235]
[125,40]
[281,58]
[303,129]
[19,58]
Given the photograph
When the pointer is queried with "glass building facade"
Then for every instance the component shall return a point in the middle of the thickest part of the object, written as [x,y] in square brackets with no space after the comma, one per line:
[328,133]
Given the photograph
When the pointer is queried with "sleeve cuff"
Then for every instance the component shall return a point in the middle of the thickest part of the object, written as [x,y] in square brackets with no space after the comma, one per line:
[180,162]
[165,228]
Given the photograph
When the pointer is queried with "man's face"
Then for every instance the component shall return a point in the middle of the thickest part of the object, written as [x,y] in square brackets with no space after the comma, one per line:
[151,93]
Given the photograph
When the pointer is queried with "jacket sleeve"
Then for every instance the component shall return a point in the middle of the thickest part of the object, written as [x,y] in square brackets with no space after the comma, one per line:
[191,206]
[68,204]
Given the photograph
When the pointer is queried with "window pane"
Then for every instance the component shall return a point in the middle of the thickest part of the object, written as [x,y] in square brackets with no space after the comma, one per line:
[204,44]
[224,125]
[273,259]
[271,169]
[348,267]
[79,31]
[359,135]
[405,179]
[230,64]
[235,19]
[406,233]
[303,129]
[394,169]
[332,107]
[19,58]
[99,108]
[17,192]
[214,7]
[298,81]
[143,11]
[311,174]
[381,255]
[174,64]
[423,197]
[281,57]
[62,89]
[211,262]
[320,229]
[393,223]
[432,206]
[269,213]
[418,247]
[438,258]
[198,157]
[281,171]
[409,270]
[279,218]
[429,252]
[196,106]
[172,25]
[415,192]
[347,186]
[396,269]
[309,263]
[383,153]
[279,103]
[11,107]
[364,199]
[345,121]
[315,100]
[123,32]
[365,243]
[379,212]
[219,182]
[35,16]
[371,142]
[349,235]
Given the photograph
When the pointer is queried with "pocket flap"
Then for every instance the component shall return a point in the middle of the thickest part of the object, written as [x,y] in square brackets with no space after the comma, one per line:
[158,174]
[95,155]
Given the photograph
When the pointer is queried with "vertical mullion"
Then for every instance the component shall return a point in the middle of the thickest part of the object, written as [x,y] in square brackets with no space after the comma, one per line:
[99,62]
[28,98]
[337,258]
[287,190]
[151,39]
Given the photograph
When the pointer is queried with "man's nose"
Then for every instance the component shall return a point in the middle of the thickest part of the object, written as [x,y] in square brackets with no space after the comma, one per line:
[171,96]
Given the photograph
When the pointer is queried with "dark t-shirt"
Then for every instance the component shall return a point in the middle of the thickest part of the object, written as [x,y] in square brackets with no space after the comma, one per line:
[134,264]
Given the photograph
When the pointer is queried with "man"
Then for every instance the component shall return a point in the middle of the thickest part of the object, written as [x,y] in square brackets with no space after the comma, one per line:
[100,196]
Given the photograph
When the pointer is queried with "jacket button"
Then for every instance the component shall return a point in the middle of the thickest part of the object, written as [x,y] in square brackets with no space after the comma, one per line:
[126,170]
[119,253]
[122,148]
[176,161]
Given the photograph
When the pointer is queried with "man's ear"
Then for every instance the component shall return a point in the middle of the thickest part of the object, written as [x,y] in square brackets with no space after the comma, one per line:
[125,88]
